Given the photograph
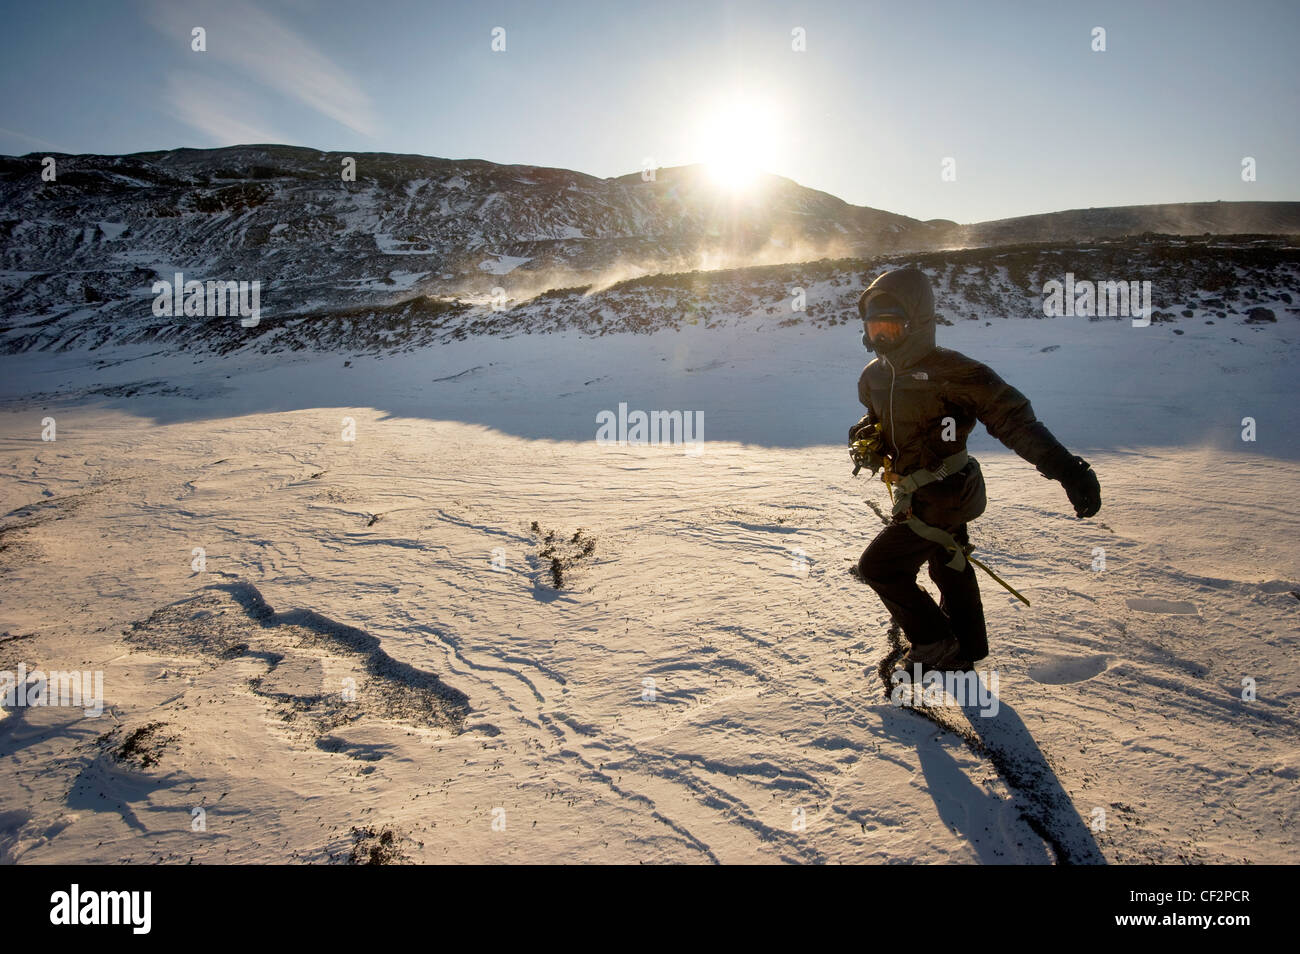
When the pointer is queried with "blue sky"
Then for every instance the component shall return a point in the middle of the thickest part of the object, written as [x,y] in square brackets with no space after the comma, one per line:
[883,93]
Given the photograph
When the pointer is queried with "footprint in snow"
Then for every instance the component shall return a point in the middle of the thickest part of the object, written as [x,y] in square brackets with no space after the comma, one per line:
[1061,670]
[1175,607]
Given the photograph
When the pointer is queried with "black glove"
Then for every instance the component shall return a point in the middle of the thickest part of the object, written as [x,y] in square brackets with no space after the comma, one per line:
[1081,487]
[853,431]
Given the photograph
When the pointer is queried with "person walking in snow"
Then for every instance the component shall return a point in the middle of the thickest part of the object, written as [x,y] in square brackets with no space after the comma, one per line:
[925,401]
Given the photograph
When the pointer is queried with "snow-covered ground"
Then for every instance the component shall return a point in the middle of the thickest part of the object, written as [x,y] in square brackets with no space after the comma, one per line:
[703,686]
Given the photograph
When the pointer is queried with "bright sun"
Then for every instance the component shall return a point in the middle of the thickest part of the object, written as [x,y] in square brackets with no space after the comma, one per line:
[735,140]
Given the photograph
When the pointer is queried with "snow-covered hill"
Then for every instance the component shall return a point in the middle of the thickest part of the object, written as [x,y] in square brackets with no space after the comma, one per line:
[97,236]
[418,249]
[1180,218]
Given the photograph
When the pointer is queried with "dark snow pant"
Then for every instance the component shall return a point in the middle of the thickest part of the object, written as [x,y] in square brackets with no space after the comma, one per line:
[889,566]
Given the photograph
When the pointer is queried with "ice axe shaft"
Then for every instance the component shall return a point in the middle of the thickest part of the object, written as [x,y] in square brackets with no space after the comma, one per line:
[1009,588]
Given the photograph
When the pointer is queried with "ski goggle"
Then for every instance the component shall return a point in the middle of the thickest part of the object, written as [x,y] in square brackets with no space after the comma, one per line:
[886,328]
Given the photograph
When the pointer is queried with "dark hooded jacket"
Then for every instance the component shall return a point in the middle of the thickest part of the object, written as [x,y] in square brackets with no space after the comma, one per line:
[911,392]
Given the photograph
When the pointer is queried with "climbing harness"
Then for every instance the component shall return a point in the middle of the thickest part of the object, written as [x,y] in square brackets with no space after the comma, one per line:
[866,452]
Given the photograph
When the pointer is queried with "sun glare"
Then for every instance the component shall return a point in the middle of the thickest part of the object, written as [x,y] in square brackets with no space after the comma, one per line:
[735,142]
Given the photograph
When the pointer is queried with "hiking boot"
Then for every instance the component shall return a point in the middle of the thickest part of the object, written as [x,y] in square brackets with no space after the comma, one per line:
[941,654]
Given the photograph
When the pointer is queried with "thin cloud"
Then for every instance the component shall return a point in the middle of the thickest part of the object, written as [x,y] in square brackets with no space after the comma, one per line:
[215,109]
[268,50]
[32,139]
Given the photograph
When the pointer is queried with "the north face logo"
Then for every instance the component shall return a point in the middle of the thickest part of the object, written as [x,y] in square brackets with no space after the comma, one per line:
[921,376]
